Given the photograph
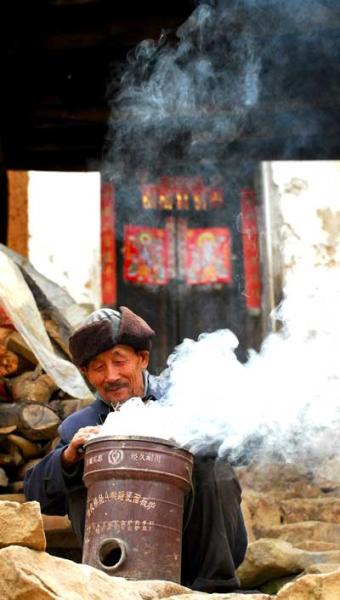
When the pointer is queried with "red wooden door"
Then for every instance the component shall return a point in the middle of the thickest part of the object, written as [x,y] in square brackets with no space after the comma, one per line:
[178,252]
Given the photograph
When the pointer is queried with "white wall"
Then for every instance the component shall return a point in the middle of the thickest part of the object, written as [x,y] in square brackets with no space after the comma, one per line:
[309,201]
[306,195]
[64,231]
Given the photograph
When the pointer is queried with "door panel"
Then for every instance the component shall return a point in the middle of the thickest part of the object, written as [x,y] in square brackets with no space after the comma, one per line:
[179,261]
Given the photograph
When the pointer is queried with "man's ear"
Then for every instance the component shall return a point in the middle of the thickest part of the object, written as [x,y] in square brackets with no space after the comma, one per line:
[144,354]
[84,371]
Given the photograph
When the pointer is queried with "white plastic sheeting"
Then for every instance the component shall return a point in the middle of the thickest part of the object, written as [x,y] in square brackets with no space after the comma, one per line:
[19,304]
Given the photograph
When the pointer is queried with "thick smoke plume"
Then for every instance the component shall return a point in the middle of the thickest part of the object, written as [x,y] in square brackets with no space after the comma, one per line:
[240,78]
[283,403]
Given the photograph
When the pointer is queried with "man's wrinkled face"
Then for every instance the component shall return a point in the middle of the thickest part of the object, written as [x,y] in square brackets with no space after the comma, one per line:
[117,374]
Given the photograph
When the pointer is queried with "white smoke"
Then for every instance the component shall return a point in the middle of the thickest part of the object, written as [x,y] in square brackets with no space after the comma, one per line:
[285,399]
[134,418]
[235,70]
[185,103]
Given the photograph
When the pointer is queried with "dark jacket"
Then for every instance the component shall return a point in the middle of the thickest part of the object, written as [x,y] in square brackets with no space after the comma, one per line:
[58,492]
[214,540]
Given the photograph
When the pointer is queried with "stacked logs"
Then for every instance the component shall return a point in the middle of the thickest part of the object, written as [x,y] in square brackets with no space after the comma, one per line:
[31,405]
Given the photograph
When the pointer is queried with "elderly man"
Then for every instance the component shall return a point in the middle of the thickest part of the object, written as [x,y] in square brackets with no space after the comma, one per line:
[111,348]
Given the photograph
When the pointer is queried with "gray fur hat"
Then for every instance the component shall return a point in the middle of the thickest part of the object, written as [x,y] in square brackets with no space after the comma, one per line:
[104,328]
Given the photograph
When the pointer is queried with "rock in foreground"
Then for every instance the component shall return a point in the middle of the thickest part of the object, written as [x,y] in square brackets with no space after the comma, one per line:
[30,575]
[21,524]
[312,587]
[268,559]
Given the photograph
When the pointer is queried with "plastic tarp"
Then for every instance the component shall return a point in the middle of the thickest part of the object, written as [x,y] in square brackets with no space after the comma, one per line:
[61,299]
[19,303]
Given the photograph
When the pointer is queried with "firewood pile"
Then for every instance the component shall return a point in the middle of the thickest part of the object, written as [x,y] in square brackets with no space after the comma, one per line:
[32,404]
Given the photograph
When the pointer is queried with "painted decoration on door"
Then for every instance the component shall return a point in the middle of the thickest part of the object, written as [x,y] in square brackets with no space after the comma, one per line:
[208,256]
[146,255]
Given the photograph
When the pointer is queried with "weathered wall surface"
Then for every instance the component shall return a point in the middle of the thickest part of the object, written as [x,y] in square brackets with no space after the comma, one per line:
[309,200]
[304,221]
[64,230]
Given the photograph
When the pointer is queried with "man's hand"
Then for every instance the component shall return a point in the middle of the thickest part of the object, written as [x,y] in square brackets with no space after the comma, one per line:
[71,455]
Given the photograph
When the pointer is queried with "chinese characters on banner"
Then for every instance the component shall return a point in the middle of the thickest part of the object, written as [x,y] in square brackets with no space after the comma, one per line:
[108,244]
[181,193]
[208,256]
[250,251]
[146,255]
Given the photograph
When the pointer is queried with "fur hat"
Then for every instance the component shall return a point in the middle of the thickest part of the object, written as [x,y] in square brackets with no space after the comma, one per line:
[104,328]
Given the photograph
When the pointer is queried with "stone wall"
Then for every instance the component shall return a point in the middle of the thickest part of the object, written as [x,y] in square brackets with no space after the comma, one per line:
[307,567]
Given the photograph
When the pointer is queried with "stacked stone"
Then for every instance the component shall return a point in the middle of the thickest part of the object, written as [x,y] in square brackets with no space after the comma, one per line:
[293,523]
[28,571]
